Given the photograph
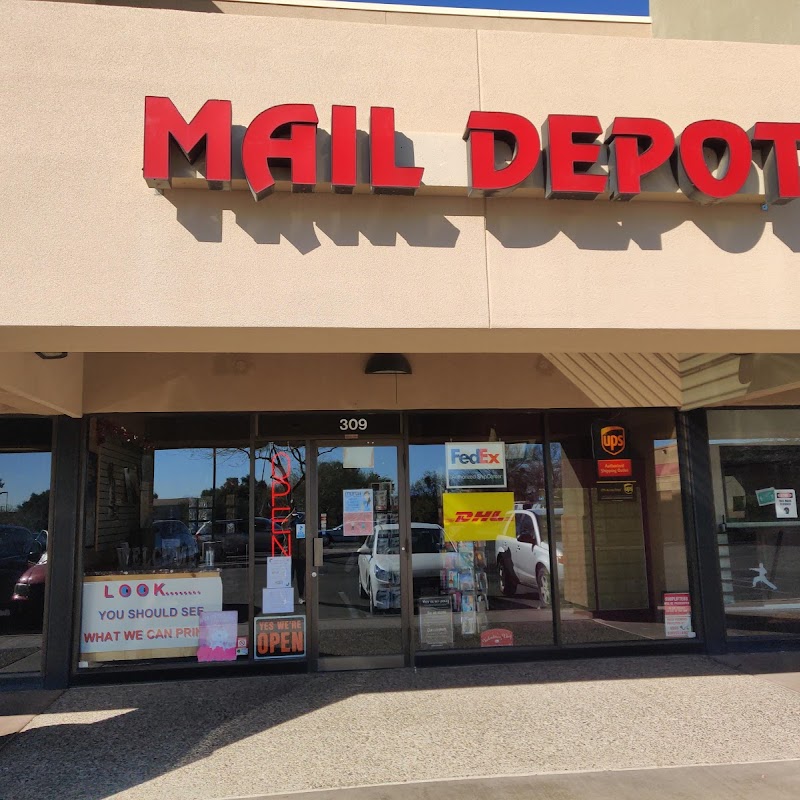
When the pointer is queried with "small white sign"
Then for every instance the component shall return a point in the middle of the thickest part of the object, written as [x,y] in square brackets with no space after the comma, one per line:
[358,458]
[475,465]
[279,572]
[785,504]
[277,601]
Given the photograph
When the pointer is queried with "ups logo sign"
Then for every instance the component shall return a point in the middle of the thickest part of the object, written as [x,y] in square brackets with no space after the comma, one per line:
[612,439]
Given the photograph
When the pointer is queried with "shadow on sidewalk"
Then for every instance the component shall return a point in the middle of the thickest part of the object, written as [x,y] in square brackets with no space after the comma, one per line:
[106,739]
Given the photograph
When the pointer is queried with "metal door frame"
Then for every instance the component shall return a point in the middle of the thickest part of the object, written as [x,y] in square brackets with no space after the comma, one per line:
[405,656]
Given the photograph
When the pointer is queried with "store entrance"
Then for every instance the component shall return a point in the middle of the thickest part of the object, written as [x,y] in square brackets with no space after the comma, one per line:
[360,556]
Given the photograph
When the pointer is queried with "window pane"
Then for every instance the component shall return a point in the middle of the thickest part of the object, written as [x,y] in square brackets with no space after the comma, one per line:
[755,462]
[280,529]
[485,581]
[166,540]
[24,509]
[619,527]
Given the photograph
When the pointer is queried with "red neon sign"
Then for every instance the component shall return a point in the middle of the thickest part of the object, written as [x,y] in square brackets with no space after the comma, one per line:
[281,487]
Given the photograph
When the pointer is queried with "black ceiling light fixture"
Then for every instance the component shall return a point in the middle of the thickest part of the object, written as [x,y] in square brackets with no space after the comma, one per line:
[52,356]
[387,364]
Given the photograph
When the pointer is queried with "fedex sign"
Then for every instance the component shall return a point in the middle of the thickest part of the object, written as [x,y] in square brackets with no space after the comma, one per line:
[475,464]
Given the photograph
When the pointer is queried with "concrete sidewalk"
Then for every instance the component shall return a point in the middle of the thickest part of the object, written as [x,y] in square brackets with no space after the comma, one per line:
[779,780]
[524,722]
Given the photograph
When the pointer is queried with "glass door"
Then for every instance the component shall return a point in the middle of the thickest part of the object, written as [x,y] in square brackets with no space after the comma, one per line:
[360,557]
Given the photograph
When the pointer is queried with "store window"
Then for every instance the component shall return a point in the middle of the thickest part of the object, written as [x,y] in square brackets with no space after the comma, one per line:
[619,527]
[279,555]
[755,463]
[24,511]
[481,560]
[166,540]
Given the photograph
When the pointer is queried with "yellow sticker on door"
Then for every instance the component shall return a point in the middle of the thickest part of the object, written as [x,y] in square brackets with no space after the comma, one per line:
[477,516]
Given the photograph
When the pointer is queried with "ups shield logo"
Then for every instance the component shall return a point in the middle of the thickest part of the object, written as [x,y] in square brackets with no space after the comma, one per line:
[612,439]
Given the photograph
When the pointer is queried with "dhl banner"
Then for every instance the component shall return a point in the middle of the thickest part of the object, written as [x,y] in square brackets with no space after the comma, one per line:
[477,516]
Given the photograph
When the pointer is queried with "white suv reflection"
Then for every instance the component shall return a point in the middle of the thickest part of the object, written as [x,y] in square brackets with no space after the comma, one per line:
[379,561]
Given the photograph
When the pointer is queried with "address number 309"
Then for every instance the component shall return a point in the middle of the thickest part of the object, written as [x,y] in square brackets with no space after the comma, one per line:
[353,424]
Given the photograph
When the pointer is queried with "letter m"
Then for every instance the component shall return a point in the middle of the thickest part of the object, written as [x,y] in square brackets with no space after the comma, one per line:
[209,132]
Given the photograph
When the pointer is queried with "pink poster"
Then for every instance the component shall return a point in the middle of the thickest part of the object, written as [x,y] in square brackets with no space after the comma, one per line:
[218,636]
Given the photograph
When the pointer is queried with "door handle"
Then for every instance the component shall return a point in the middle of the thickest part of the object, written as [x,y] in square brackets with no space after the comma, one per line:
[318,557]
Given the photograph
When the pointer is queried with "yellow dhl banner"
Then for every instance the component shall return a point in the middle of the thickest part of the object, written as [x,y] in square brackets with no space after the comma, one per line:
[477,516]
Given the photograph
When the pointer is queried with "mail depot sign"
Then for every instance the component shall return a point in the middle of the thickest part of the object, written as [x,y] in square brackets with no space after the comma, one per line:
[571,157]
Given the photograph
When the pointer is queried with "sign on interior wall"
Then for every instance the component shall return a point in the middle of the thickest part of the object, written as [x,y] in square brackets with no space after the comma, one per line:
[477,516]
[145,616]
[571,156]
[785,504]
[765,497]
[616,491]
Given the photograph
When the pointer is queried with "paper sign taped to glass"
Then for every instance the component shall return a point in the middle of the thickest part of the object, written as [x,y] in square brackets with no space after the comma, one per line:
[279,572]
[357,512]
[218,634]
[477,516]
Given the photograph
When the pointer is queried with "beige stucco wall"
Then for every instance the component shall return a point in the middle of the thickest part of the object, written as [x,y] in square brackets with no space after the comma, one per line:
[84,242]
[117,382]
[776,21]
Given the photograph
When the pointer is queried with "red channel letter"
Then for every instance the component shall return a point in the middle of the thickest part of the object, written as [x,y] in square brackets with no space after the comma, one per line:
[343,149]
[281,136]
[572,148]
[779,142]
[385,176]
[209,131]
[637,146]
[733,147]
[484,128]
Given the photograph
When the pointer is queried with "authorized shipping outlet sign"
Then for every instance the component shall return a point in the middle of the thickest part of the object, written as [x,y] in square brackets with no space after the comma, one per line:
[610,446]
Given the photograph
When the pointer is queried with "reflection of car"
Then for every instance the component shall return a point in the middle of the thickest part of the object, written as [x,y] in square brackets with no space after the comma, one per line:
[337,536]
[19,549]
[229,538]
[174,534]
[28,598]
[379,561]
[523,556]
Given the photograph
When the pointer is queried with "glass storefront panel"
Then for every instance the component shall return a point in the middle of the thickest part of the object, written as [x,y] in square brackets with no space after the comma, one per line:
[619,527]
[279,590]
[360,589]
[166,539]
[755,464]
[481,555]
[24,510]
[195,547]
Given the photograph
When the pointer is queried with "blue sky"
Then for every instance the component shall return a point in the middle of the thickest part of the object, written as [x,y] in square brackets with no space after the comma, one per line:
[23,474]
[623,7]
